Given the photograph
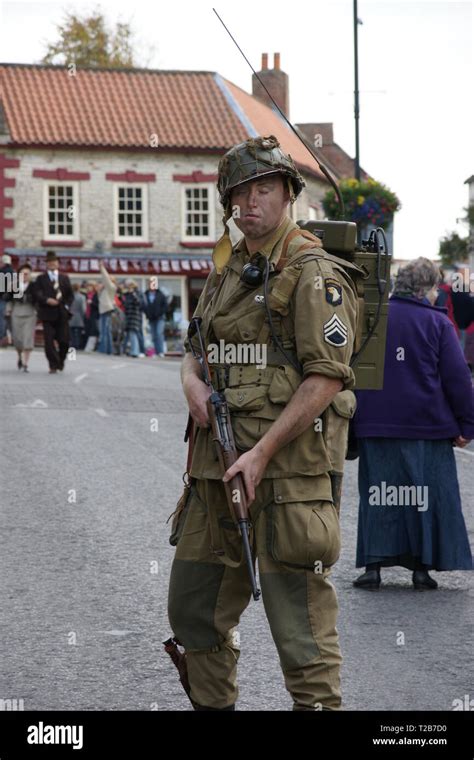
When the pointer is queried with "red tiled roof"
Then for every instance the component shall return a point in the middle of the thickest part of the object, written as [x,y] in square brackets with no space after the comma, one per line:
[110,108]
[45,105]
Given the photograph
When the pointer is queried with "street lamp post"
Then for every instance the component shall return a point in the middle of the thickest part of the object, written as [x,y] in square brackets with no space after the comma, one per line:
[356,94]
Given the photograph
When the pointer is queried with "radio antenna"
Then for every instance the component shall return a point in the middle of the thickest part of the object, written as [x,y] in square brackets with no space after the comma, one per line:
[323,168]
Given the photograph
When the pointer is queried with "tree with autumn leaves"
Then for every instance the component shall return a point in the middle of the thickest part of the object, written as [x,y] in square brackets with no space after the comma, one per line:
[90,41]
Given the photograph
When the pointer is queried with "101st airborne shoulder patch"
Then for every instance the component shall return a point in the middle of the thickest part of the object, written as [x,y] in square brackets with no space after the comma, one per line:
[333,291]
[335,331]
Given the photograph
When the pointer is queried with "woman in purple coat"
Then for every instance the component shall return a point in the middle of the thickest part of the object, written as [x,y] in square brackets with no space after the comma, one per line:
[410,507]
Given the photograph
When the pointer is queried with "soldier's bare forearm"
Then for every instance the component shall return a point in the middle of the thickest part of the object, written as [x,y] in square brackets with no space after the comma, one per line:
[310,400]
[190,369]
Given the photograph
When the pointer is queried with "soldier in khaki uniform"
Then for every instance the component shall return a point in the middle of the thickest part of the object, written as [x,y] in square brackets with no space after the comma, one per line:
[291,427]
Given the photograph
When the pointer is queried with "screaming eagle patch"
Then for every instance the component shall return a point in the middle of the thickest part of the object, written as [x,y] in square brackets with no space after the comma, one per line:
[335,331]
[333,292]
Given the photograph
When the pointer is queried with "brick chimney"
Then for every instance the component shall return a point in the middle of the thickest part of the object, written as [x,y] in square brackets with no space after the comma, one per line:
[276,82]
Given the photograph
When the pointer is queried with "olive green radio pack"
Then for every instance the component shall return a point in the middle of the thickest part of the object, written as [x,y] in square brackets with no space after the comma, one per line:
[373,284]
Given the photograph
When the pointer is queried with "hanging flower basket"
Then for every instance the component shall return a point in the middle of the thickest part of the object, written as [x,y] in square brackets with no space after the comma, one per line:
[368,203]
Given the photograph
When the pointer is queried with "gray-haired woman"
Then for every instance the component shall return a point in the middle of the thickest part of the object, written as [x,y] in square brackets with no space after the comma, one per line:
[410,507]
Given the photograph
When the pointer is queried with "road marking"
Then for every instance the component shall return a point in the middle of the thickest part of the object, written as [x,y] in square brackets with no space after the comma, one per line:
[464,451]
[118,366]
[81,377]
[38,403]
[101,412]
[118,633]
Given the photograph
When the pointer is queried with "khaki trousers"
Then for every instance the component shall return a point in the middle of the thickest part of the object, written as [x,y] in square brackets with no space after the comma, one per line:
[295,540]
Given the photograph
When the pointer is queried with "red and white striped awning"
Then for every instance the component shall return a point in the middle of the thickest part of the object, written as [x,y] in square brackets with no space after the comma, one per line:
[122,265]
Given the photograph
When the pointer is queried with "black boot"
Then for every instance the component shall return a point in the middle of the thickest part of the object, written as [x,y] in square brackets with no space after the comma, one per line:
[422,580]
[214,709]
[370,579]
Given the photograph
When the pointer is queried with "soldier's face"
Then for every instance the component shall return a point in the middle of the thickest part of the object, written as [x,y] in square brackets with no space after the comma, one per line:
[258,206]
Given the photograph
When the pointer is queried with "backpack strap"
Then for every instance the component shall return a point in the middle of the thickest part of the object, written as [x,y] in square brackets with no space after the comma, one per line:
[315,243]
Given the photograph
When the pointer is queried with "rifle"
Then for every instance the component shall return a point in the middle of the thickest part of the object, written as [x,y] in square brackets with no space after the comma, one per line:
[219,416]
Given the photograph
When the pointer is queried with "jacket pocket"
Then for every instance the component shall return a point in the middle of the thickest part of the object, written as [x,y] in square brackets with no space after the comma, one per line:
[284,384]
[335,427]
[301,530]
[246,398]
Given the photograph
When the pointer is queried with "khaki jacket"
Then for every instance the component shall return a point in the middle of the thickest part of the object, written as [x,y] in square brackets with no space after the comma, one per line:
[314,310]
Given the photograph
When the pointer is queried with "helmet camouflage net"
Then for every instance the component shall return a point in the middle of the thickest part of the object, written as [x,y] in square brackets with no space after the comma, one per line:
[255,158]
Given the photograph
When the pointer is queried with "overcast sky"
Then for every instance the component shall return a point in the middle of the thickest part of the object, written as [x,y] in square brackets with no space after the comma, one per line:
[415,74]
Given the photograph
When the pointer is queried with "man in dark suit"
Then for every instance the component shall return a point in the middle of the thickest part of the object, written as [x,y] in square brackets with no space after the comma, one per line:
[54,296]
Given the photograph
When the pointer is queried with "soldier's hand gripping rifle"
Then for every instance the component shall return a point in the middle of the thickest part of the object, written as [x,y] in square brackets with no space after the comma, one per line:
[223,436]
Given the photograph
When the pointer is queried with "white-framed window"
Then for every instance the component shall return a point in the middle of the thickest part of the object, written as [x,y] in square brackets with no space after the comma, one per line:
[131,213]
[198,212]
[61,210]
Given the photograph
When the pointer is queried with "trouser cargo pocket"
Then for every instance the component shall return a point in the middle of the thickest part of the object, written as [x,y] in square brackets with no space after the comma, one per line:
[302,531]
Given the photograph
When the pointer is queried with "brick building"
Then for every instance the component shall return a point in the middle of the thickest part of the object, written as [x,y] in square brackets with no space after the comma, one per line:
[124,162]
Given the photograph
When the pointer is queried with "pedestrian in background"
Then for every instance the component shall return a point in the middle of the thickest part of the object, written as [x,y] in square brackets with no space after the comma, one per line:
[133,317]
[23,316]
[6,272]
[107,291]
[406,434]
[91,320]
[54,295]
[155,310]
[456,296]
[78,311]
[118,322]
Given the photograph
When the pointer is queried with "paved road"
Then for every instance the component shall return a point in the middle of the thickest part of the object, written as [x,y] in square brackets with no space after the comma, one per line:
[86,486]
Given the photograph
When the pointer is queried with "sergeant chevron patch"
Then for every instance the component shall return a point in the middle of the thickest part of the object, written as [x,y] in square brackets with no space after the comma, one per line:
[335,331]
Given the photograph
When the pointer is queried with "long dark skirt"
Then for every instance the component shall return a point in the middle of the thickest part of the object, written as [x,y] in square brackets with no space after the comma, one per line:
[397,529]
